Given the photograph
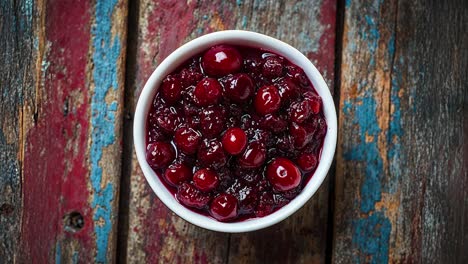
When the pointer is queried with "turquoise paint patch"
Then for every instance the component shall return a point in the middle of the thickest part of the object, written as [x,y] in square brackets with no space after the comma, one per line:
[106,53]
[372,235]
[75,257]
[348,3]
[239,2]
[58,253]
[367,152]
[244,22]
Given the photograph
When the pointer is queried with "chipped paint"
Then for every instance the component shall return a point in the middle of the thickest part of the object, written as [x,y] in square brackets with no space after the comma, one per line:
[105,56]
[58,253]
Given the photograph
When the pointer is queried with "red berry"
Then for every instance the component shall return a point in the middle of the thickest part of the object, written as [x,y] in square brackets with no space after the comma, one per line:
[234,141]
[190,196]
[239,87]
[267,100]
[206,180]
[254,155]
[177,173]
[169,119]
[159,154]
[187,140]
[297,74]
[224,207]
[211,154]
[171,88]
[207,92]
[273,67]
[307,162]
[221,60]
[288,90]
[273,123]
[300,111]
[212,121]
[301,135]
[283,174]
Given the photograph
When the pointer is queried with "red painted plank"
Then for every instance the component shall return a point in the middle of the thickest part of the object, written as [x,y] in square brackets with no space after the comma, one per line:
[62,219]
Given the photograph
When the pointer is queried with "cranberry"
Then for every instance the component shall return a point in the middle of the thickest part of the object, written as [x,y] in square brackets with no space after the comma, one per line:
[205,180]
[187,140]
[246,195]
[155,134]
[221,60]
[300,111]
[159,154]
[207,92]
[234,141]
[191,196]
[177,173]
[273,123]
[297,74]
[169,119]
[239,87]
[254,155]
[170,89]
[273,67]
[301,135]
[283,174]
[288,90]
[212,121]
[307,162]
[211,154]
[267,100]
[224,207]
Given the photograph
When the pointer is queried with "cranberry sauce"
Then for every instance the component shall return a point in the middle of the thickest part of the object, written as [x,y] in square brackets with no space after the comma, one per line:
[235,132]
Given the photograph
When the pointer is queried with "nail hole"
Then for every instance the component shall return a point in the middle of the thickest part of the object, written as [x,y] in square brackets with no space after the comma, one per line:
[73,221]
[6,209]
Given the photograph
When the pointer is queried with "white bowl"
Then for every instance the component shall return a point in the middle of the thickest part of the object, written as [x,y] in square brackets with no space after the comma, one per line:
[245,38]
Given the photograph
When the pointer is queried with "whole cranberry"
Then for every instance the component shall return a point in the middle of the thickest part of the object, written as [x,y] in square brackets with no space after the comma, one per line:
[212,121]
[283,174]
[205,180]
[239,87]
[254,155]
[300,111]
[267,100]
[224,207]
[207,92]
[297,75]
[307,162]
[288,90]
[171,88]
[301,135]
[234,141]
[187,140]
[190,196]
[211,154]
[177,173]
[246,194]
[221,60]
[273,67]
[159,154]
[169,119]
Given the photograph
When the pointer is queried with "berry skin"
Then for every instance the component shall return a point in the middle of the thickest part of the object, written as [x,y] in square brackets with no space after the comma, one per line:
[177,173]
[187,140]
[234,141]
[205,180]
[267,100]
[254,155]
[159,154]
[239,87]
[221,60]
[224,207]
[211,154]
[273,67]
[283,174]
[171,89]
[307,162]
[207,92]
[190,196]
[212,121]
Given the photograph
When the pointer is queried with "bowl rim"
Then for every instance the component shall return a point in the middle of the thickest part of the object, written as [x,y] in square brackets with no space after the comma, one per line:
[245,38]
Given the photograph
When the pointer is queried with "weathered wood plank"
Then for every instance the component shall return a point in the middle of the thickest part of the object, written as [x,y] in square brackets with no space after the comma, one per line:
[154,233]
[16,58]
[68,132]
[401,179]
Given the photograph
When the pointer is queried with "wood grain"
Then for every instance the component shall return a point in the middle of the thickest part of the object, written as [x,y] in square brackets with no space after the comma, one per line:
[67,127]
[401,179]
[154,233]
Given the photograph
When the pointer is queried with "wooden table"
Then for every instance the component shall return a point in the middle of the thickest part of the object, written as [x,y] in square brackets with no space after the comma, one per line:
[70,187]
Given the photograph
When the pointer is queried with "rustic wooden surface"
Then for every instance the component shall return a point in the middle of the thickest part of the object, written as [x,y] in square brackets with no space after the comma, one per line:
[402,179]
[399,193]
[62,100]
